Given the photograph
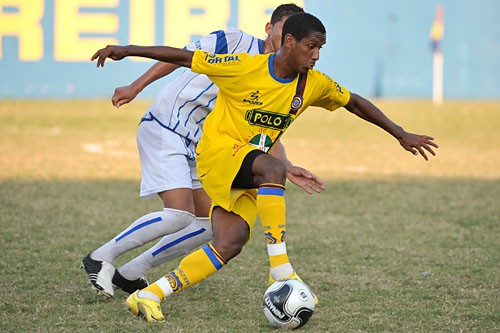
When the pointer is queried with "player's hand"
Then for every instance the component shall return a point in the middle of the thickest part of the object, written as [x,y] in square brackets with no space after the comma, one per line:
[418,144]
[114,52]
[304,179]
[123,95]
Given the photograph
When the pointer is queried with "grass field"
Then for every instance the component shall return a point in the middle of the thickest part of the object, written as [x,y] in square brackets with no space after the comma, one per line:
[395,244]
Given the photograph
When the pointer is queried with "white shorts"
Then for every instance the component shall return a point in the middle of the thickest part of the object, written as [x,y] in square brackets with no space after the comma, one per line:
[167,159]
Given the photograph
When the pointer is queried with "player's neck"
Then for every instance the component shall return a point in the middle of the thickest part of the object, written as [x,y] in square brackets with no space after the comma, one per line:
[268,46]
[282,68]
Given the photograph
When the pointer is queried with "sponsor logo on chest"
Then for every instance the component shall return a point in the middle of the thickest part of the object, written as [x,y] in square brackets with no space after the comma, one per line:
[268,119]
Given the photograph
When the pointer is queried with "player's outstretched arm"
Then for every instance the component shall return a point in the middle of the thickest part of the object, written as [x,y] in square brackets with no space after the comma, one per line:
[301,177]
[176,56]
[414,143]
[126,94]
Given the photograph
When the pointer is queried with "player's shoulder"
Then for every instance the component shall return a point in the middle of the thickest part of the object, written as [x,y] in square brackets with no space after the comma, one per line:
[239,41]
[230,33]
[317,75]
[320,79]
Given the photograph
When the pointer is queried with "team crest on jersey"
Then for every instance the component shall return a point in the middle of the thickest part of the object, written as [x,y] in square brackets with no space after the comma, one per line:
[261,141]
[268,119]
[296,103]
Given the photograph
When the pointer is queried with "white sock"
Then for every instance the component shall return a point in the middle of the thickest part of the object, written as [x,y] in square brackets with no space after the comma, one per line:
[172,246]
[143,230]
[283,270]
[165,287]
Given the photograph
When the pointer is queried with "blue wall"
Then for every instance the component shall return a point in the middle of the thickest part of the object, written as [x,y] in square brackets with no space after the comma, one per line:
[375,48]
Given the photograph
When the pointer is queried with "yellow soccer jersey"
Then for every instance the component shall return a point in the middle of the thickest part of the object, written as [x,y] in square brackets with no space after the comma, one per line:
[253,105]
[253,108]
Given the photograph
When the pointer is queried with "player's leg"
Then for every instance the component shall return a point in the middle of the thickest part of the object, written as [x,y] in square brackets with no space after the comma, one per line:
[98,264]
[269,175]
[165,170]
[171,246]
[230,234]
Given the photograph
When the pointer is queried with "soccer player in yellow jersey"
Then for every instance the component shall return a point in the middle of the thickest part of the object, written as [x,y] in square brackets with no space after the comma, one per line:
[259,98]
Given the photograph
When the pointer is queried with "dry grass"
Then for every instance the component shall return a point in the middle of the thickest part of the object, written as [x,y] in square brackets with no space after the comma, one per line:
[395,244]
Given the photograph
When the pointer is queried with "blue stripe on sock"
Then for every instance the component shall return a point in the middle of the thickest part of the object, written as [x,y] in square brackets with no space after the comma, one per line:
[137,227]
[271,191]
[211,255]
[178,240]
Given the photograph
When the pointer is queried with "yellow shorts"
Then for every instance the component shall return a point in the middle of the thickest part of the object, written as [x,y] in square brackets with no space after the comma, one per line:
[245,205]
[218,165]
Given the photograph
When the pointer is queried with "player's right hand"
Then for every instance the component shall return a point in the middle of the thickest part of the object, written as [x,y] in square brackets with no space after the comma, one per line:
[123,95]
[114,52]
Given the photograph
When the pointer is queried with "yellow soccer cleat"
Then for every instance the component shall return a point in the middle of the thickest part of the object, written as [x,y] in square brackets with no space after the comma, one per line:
[145,308]
[293,276]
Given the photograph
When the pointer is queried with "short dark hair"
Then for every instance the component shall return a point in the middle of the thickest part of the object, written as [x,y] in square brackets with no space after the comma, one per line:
[301,25]
[284,10]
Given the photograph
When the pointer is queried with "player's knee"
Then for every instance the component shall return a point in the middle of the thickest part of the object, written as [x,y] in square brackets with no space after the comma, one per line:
[229,250]
[268,169]
[175,220]
[231,244]
[276,173]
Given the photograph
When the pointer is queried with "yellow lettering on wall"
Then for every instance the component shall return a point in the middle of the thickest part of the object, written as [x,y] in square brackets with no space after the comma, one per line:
[254,14]
[24,23]
[70,24]
[184,19]
[142,24]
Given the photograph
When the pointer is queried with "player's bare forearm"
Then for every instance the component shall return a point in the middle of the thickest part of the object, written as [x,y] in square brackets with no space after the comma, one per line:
[126,94]
[155,72]
[278,151]
[180,57]
[414,143]
[364,109]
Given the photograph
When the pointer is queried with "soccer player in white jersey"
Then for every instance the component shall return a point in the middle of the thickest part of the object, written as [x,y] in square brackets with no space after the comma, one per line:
[167,137]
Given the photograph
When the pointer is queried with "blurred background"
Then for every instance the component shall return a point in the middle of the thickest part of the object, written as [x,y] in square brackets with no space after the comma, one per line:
[378,48]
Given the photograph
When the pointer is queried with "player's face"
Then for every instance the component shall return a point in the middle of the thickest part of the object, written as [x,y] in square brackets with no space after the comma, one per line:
[274,32]
[306,51]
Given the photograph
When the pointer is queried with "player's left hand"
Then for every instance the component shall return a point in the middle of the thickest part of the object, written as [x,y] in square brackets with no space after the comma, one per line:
[418,144]
[114,52]
[304,179]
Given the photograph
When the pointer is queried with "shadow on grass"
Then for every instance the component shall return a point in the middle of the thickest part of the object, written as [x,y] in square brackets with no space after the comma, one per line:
[424,251]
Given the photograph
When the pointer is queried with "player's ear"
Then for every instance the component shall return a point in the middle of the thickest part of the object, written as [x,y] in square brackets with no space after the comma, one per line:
[289,40]
[269,28]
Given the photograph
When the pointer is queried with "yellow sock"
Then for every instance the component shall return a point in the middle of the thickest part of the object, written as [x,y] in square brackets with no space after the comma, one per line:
[194,268]
[271,207]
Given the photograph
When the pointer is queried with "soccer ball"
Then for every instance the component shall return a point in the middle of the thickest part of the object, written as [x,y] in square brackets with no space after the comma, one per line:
[288,304]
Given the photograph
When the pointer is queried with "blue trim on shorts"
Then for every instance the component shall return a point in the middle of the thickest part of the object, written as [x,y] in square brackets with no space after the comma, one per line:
[142,225]
[211,255]
[271,191]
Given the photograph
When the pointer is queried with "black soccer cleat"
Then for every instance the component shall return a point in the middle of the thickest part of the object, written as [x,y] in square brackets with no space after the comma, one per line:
[99,274]
[128,286]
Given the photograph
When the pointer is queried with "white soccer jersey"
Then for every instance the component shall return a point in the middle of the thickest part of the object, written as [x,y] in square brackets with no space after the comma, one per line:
[183,105]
